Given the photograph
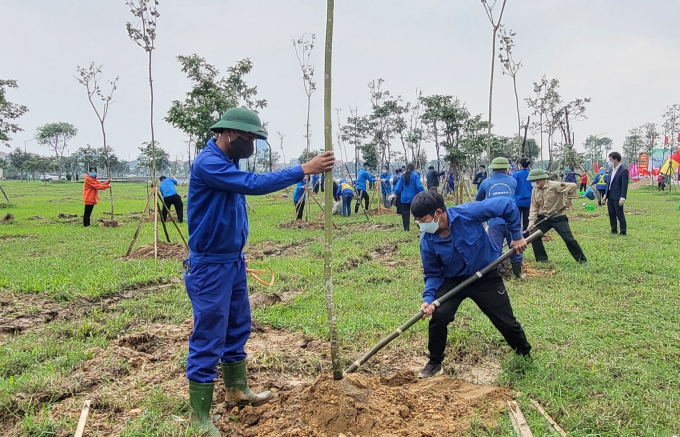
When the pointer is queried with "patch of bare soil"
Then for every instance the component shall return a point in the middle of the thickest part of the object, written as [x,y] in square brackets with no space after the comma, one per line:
[400,405]
[120,377]
[261,300]
[110,223]
[166,251]
[582,217]
[67,216]
[17,237]
[380,211]
[37,217]
[383,254]
[301,224]
[274,249]
[20,313]
[536,271]
[6,219]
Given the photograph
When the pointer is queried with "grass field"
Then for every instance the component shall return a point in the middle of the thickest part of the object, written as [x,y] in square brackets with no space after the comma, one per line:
[606,339]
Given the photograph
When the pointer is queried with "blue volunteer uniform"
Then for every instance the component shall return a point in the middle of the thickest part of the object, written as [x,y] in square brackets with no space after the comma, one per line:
[499,185]
[167,187]
[215,274]
[408,191]
[385,186]
[523,191]
[468,249]
[362,178]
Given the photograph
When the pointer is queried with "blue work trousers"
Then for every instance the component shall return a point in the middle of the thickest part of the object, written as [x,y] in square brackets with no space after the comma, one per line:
[500,233]
[219,299]
[347,204]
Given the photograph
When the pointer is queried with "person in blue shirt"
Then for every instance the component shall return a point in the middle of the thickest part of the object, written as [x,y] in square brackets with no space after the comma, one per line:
[346,192]
[601,181]
[362,195]
[299,198]
[215,272]
[454,247]
[450,182]
[523,192]
[406,189]
[170,198]
[385,186]
[398,173]
[570,175]
[500,184]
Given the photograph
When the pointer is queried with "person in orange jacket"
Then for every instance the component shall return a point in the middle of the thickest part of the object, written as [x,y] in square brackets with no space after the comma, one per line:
[91,188]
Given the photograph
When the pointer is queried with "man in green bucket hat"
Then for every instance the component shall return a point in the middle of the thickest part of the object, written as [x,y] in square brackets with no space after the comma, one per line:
[215,273]
[549,202]
[500,184]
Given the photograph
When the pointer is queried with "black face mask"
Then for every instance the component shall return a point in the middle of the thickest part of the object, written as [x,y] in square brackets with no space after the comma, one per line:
[242,148]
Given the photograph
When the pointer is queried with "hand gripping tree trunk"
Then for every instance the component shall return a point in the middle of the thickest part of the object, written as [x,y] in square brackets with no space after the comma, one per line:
[328,214]
[89,78]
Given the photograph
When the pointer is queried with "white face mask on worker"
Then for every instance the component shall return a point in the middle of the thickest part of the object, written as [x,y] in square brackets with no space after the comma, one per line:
[610,164]
[430,227]
[534,184]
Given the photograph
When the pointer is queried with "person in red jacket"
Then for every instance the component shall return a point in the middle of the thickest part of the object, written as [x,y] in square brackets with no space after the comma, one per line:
[91,188]
[584,181]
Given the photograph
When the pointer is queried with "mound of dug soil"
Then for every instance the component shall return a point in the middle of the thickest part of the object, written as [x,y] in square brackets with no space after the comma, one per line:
[166,251]
[361,406]
[300,224]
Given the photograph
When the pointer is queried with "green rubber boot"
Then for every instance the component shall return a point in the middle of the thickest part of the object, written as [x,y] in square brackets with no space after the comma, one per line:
[200,398]
[236,382]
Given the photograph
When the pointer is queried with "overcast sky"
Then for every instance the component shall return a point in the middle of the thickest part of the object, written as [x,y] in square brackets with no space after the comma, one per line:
[624,54]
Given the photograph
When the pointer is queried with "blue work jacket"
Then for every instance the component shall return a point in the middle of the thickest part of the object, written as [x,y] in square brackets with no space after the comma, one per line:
[167,187]
[409,191]
[299,192]
[523,192]
[395,179]
[362,178]
[497,185]
[468,248]
[385,185]
[216,204]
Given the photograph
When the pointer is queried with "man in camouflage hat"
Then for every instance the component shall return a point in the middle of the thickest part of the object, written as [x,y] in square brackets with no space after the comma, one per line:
[215,275]
[549,202]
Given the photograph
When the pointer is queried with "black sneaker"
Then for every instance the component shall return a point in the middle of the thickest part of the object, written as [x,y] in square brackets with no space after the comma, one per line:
[614,231]
[431,369]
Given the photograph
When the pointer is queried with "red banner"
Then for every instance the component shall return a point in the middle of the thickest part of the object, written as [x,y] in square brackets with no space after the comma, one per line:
[643,164]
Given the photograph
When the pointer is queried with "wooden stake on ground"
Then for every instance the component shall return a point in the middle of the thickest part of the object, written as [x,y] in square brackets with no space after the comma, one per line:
[83,419]
[5,194]
[139,227]
[165,229]
[550,420]
[519,422]
[173,221]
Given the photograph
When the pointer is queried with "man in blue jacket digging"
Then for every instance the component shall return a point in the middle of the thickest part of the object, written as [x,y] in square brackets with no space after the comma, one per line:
[215,276]
[453,247]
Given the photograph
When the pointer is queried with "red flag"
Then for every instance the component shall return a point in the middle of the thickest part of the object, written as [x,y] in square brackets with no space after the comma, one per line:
[665,143]
[597,168]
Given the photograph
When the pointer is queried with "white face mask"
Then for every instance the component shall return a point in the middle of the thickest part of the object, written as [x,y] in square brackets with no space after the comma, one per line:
[430,227]
[610,164]
[534,184]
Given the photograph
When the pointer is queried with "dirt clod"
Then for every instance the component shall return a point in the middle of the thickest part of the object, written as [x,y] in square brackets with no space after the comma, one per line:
[249,416]
[400,378]
[166,251]
[300,224]
[67,216]
[7,218]
[110,223]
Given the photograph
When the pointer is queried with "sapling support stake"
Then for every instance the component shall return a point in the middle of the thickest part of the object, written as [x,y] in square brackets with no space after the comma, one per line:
[457,289]
[165,229]
[173,221]
[4,194]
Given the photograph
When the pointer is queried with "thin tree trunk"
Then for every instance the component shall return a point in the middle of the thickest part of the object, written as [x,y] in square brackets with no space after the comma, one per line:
[519,120]
[328,212]
[153,168]
[541,128]
[108,166]
[493,63]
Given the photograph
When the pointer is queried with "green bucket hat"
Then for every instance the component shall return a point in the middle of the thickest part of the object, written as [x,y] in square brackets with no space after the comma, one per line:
[500,163]
[537,174]
[241,119]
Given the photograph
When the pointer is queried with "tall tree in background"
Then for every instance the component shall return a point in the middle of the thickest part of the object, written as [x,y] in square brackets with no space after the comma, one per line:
[9,111]
[303,52]
[634,144]
[19,158]
[547,104]
[489,7]
[509,66]
[328,215]
[355,132]
[89,78]
[153,157]
[210,96]
[56,137]
[382,122]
